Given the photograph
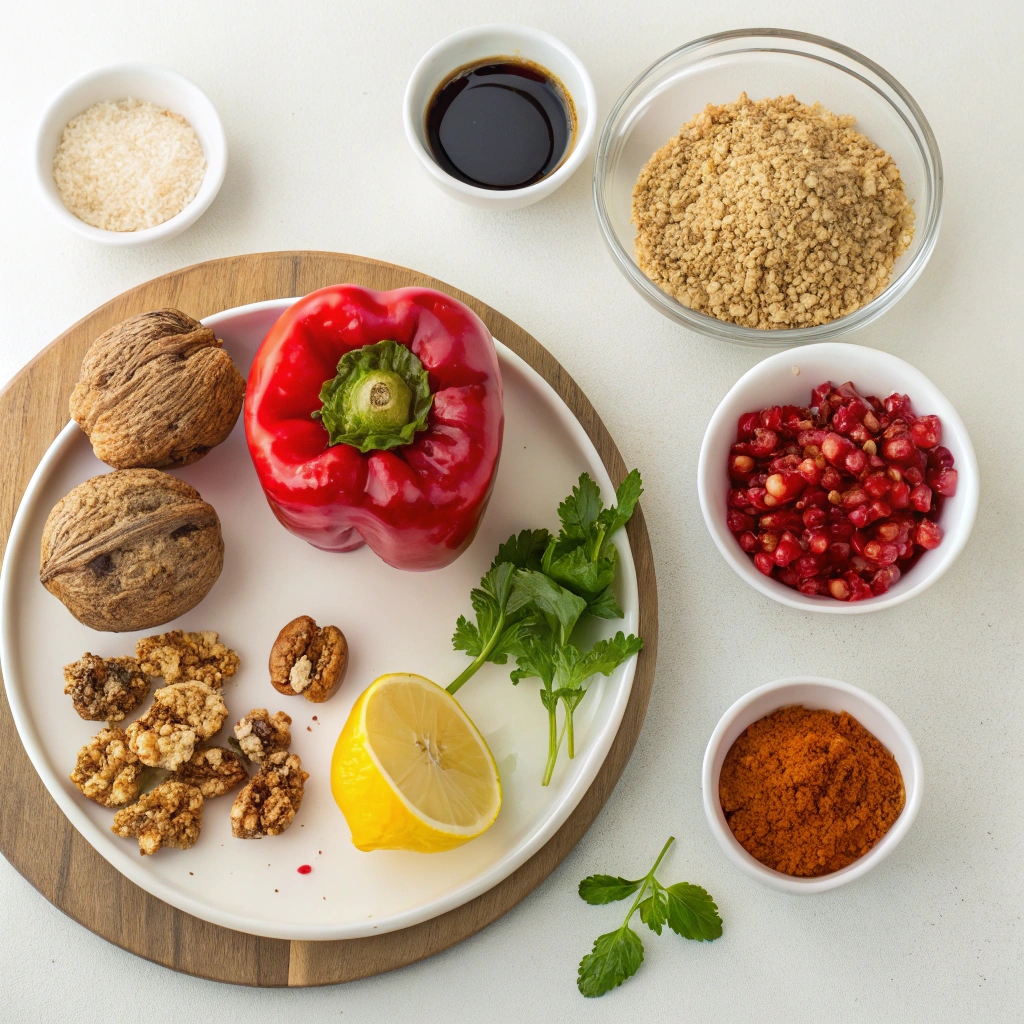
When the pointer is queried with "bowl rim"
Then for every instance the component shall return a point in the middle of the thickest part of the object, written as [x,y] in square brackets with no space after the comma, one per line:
[821,883]
[921,132]
[907,378]
[586,130]
[216,161]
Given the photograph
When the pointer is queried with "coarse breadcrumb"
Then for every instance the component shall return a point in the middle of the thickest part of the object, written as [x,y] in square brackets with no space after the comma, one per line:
[126,165]
[180,716]
[178,656]
[771,214]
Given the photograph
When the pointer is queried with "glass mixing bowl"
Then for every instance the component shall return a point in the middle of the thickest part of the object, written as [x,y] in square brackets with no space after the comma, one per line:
[765,62]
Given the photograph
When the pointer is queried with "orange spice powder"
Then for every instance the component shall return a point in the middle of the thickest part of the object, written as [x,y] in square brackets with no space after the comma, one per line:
[809,792]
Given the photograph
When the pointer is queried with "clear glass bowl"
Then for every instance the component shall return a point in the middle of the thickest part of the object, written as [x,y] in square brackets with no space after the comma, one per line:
[765,62]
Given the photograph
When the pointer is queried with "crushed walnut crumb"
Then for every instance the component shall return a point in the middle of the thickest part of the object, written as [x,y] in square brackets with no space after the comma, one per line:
[269,803]
[213,771]
[105,689]
[169,815]
[181,656]
[261,734]
[180,716]
[107,770]
[771,214]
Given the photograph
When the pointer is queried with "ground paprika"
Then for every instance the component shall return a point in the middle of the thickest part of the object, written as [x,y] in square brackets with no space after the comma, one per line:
[808,792]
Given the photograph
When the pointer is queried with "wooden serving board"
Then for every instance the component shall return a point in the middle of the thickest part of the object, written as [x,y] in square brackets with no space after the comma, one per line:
[36,837]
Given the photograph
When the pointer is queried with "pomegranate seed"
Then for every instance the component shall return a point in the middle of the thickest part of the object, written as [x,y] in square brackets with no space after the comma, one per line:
[788,550]
[810,438]
[841,529]
[887,532]
[869,447]
[896,405]
[921,498]
[769,542]
[808,565]
[831,479]
[763,443]
[940,458]
[789,577]
[871,422]
[913,475]
[927,432]
[835,448]
[855,496]
[884,579]
[846,417]
[859,590]
[742,465]
[779,521]
[839,553]
[821,392]
[747,424]
[814,517]
[756,496]
[860,517]
[928,535]
[877,485]
[835,497]
[809,470]
[899,495]
[748,541]
[945,482]
[787,463]
[839,590]
[811,587]
[739,522]
[818,541]
[856,461]
[858,541]
[772,418]
[899,449]
[764,563]
[785,486]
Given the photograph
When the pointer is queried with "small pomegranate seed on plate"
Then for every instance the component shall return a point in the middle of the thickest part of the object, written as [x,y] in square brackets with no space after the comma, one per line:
[899,495]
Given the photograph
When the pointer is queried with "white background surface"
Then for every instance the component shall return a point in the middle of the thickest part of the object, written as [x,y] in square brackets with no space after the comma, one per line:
[310,94]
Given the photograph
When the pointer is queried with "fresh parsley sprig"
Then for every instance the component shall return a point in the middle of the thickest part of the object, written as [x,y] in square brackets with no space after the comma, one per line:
[537,589]
[687,909]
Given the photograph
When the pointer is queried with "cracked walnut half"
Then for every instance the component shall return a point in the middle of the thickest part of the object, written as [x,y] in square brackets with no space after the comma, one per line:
[170,815]
[261,734]
[181,656]
[105,689]
[107,770]
[269,803]
[213,771]
[180,716]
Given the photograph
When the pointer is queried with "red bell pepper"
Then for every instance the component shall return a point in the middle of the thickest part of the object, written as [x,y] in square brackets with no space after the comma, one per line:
[377,417]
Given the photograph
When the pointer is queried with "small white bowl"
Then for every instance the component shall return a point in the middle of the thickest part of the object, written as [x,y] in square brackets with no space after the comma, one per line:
[139,81]
[774,381]
[475,44]
[812,692]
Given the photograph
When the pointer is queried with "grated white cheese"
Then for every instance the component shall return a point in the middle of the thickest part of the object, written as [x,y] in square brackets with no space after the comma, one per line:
[128,164]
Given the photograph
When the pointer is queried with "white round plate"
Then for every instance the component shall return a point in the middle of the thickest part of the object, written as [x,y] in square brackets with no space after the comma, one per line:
[393,620]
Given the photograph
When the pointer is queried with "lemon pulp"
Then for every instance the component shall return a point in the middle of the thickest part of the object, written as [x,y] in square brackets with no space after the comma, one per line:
[411,771]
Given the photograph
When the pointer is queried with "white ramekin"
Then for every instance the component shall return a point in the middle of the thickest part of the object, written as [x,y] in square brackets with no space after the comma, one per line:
[139,81]
[832,695]
[787,379]
[474,44]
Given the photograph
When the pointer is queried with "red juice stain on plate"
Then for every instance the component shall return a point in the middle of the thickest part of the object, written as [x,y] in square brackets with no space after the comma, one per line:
[304,869]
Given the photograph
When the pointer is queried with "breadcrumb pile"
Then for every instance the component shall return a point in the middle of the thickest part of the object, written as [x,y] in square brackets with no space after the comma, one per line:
[771,214]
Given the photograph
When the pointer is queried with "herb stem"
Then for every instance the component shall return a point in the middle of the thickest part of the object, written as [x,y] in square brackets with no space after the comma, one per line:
[648,879]
[467,674]
[569,734]
[553,744]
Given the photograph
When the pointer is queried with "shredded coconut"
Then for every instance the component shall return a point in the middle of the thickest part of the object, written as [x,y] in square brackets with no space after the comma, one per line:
[127,165]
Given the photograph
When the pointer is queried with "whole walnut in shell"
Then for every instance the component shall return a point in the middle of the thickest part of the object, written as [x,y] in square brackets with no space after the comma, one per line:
[131,549]
[157,390]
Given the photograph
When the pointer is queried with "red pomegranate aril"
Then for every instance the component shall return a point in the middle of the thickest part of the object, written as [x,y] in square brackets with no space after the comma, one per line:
[748,541]
[896,405]
[789,578]
[921,498]
[841,529]
[945,482]
[855,496]
[763,443]
[739,522]
[835,448]
[860,517]
[769,542]
[807,438]
[818,541]
[871,422]
[788,550]
[899,494]
[831,479]
[764,563]
[786,519]
[927,431]
[785,487]
[814,517]
[877,485]
[859,590]
[884,579]
[858,541]
[755,498]
[810,471]
[940,458]
[788,463]
[856,462]
[928,535]
[808,565]
[899,449]
[887,532]
[839,589]
[913,475]
[772,418]
[742,465]
[747,424]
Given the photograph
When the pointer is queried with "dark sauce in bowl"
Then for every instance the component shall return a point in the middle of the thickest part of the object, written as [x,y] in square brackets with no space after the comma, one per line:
[500,123]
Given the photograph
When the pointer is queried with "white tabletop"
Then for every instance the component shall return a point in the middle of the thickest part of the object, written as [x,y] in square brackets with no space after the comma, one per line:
[318,160]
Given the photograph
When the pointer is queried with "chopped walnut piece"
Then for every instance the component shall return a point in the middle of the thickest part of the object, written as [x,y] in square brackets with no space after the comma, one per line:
[268,804]
[213,771]
[105,689]
[107,770]
[180,716]
[179,656]
[261,734]
[308,660]
[170,815]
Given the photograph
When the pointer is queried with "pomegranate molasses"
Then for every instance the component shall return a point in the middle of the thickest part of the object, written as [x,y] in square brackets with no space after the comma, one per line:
[500,123]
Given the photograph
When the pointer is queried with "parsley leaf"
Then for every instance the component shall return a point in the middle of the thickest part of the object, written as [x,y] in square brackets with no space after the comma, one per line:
[552,600]
[598,889]
[687,909]
[580,510]
[626,497]
[615,957]
[524,550]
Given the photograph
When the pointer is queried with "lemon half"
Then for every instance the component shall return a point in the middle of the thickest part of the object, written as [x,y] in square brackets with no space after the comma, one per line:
[411,771]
